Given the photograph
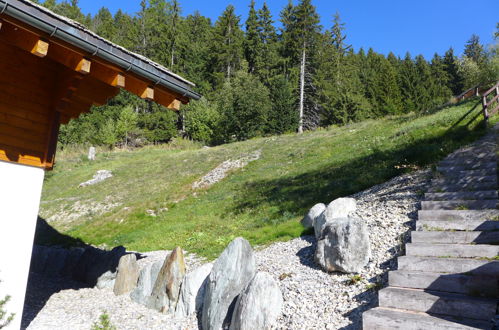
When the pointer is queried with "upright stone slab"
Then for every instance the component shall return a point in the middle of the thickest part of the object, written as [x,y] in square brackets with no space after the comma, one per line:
[166,289]
[91,153]
[259,306]
[339,208]
[128,274]
[309,219]
[231,273]
[344,246]
[147,278]
[192,291]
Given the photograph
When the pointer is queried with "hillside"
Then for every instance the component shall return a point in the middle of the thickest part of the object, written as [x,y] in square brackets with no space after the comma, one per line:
[150,204]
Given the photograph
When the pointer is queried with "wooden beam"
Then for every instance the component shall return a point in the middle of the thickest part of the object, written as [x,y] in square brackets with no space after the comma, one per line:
[139,87]
[95,92]
[107,75]
[23,39]
[175,105]
[70,59]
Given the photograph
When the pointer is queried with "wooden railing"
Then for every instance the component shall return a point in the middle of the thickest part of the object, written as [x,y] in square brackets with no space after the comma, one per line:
[473,91]
[491,106]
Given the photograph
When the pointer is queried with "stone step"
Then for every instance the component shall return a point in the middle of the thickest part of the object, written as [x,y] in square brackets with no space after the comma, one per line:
[456,187]
[381,318]
[470,158]
[469,163]
[479,166]
[462,195]
[452,250]
[472,285]
[446,180]
[448,265]
[468,225]
[469,173]
[492,214]
[456,237]
[460,204]
[441,303]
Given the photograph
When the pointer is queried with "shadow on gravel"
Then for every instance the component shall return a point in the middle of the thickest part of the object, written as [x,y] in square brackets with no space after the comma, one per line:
[68,263]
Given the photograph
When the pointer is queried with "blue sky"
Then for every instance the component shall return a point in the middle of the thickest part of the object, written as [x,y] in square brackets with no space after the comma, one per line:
[418,26]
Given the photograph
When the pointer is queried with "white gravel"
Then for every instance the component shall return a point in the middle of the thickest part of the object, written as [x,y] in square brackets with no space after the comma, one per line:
[313,299]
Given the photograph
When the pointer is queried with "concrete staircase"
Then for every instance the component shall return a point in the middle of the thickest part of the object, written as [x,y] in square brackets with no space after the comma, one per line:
[449,277]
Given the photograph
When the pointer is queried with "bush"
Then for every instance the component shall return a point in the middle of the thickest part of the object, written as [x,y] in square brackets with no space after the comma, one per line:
[5,317]
[202,121]
[244,104]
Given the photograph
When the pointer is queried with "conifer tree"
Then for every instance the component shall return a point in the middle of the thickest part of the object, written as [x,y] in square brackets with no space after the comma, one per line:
[196,46]
[409,83]
[303,29]
[103,24]
[227,46]
[252,41]
[474,50]
[451,67]
[441,91]
[267,58]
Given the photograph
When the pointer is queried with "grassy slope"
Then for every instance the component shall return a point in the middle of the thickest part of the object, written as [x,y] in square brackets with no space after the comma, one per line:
[262,202]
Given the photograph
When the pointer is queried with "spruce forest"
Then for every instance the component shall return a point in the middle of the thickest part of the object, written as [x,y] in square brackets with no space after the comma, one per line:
[258,80]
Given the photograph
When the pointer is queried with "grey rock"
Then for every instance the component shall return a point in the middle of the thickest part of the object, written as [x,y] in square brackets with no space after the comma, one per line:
[192,291]
[147,278]
[106,280]
[309,219]
[100,176]
[339,208]
[232,272]
[166,289]
[344,246]
[91,153]
[128,274]
[259,306]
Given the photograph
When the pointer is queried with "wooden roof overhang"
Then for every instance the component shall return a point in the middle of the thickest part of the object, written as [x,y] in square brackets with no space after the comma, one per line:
[49,77]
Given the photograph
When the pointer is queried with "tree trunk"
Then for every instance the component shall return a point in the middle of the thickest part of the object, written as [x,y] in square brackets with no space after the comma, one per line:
[302,90]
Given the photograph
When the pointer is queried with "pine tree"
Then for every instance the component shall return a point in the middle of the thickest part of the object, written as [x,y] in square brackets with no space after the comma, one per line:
[196,45]
[441,93]
[451,67]
[474,50]
[227,45]
[267,58]
[337,78]
[252,42]
[425,85]
[409,83]
[302,31]
[103,24]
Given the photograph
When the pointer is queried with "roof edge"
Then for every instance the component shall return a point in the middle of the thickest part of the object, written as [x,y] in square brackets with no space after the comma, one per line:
[71,32]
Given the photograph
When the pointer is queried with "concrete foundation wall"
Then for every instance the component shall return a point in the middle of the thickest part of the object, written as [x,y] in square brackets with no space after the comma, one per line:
[20,192]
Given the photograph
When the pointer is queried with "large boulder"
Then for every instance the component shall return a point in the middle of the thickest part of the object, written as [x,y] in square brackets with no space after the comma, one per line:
[166,289]
[192,291]
[127,276]
[106,280]
[339,208]
[147,278]
[259,306]
[231,273]
[309,219]
[344,246]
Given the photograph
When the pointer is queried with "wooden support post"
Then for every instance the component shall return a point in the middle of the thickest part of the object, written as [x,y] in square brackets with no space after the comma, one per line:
[484,106]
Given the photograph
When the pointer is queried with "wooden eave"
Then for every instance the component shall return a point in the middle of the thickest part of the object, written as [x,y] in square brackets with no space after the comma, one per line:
[45,82]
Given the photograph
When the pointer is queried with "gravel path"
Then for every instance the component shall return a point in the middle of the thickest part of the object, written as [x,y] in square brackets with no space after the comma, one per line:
[313,299]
